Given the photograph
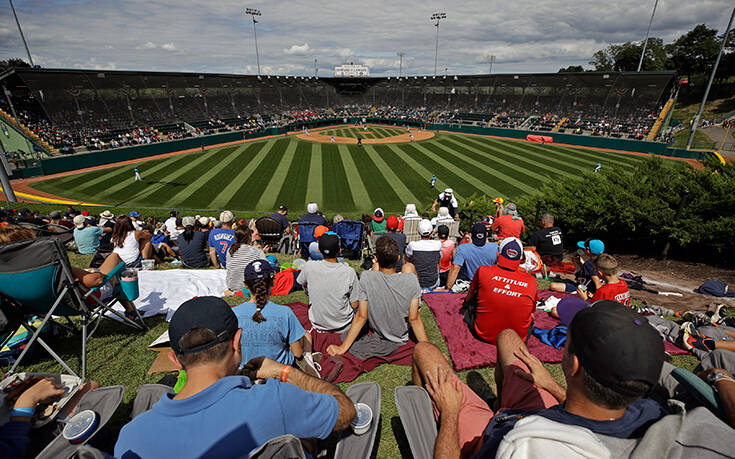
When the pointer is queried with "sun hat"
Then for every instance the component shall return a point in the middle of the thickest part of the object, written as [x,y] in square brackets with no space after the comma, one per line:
[226,216]
[80,221]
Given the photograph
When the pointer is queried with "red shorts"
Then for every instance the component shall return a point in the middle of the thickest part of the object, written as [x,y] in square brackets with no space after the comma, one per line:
[475,415]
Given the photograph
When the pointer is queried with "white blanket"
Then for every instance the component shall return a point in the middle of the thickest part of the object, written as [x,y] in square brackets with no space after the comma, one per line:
[162,292]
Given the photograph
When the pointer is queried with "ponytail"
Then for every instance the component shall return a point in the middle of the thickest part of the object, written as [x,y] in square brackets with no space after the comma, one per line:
[260,290]
[242,236]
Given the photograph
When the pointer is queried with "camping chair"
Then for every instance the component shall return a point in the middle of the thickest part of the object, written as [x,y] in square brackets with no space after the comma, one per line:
[411,229]
[417,417]
[269,231]
[36,274]
[306,237]
[103,401]
[454,230]
[351,236]
[702,392]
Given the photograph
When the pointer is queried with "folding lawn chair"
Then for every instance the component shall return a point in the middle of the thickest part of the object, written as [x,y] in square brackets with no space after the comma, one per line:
[269,231]
[306,237]
[702,392]
[351,236]
[454,230]
[411,229]
[417,417]
[36,275]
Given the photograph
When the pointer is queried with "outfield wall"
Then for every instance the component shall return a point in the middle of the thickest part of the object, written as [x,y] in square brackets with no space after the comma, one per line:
[98,158]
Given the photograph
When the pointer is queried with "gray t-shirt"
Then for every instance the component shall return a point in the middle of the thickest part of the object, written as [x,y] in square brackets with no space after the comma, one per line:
[331,288]
[426,254]
[389,299]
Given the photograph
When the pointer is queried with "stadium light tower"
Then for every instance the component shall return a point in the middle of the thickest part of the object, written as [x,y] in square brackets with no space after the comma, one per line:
[253,12]
[695,121]
[22,37]
[645,42]
[400,65]
[437,17]
[490,60]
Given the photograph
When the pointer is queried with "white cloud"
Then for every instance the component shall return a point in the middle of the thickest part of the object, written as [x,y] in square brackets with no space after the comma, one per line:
[169,46]
[298,50]
[147,45]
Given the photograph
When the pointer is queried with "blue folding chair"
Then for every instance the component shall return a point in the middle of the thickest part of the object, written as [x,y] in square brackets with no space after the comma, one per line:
[36,275]
[351,235]
[306,237]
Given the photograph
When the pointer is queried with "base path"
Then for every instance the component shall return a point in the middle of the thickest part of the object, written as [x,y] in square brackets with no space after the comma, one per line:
[316,136]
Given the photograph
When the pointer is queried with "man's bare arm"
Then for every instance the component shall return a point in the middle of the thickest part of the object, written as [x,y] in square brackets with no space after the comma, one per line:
[414,319]
[452,276]
[358,322]
[213,257]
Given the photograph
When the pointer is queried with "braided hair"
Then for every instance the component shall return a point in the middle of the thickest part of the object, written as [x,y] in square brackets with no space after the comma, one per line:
[260,289]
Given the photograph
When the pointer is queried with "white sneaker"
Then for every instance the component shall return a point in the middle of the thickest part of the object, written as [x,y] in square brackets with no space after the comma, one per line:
[307,365]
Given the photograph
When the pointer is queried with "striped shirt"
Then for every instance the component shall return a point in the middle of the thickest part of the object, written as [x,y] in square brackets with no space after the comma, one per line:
[236,265]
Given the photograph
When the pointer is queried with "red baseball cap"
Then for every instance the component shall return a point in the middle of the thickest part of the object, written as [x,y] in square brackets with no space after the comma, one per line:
[85,213]
[391,222]
[320,230]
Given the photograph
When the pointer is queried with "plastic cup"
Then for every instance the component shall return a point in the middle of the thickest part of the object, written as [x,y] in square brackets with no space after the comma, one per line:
[129,284]
[363,419]
[81,426]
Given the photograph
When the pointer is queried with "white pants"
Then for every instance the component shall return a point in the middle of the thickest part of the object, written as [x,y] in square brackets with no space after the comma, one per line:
[137,177]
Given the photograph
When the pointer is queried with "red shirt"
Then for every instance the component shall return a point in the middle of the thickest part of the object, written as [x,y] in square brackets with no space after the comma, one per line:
[506,226]
[505,299]
[616,292]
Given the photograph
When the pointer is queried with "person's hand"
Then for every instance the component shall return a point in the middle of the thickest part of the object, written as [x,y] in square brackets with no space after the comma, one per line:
[262,368]
[444,388]
[43,390]
[582,293]
[333,350]
[703,374]
[537,374]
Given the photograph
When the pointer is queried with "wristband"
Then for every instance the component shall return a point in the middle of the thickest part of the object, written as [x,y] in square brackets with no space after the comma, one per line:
[284,373]
[22,412]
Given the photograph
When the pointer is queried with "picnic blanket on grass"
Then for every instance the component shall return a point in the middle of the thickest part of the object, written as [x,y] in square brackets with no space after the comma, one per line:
[352,367]
[468,352]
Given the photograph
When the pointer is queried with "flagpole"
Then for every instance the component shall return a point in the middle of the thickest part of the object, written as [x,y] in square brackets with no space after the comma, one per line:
[22,37]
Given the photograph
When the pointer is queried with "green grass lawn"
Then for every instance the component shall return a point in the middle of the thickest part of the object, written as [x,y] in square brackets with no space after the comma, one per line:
[118,356]
[257,177]
[701,140]
[373,132]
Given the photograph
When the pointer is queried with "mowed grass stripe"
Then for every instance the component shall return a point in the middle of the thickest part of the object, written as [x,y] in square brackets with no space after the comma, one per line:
[314,186]
[292,189]
[485,175]
[511,170]
[89,179]
[183,196]
[587,159]
[381,192]
[337,192]
[184,179]
[276,181]
[419,182]
[167,185]
[404,152]
[527,159]
[118,178]
[445,171]
[404,193]
[621,159]
[237,173]
[250,192]
[358,189]
[130,189]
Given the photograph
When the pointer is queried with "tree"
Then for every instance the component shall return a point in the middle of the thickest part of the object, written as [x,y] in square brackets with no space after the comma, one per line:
[12,62]
[694,52]
[624,57]
[571,69]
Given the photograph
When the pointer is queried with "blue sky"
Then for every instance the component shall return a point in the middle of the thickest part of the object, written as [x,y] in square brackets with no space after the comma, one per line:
[216,36]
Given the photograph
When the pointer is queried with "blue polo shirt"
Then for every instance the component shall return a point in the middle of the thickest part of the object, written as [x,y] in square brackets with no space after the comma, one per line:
[221,239]
[87,239]
[470,257]
[228,419]
[271,338]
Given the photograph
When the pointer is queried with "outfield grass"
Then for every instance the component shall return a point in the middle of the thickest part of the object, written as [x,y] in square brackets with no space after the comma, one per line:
[701,140]
[259,176]
[118,356]
[373,132]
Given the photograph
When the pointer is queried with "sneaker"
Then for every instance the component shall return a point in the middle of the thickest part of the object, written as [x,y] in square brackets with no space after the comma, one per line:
[693,339]
[176,262]
[720,314]
[698,318]
[307,365]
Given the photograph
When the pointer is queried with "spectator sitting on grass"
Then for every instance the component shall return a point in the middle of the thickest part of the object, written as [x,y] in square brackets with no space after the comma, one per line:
[614,288]
[312,217]
[314,253]
[280,217]
[219,414]
[423,256]
[442,217]
[586,272]
[391,225]
[547,241]
[390,302]
[193,244]
[86,236]
[509,224]
[469,257]
[270,329]
[130,244]
[448,249]
[377,224]
[220,239]
[332,288]
[240,254]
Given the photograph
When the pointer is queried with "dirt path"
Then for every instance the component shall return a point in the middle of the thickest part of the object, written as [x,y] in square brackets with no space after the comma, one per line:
[316,136]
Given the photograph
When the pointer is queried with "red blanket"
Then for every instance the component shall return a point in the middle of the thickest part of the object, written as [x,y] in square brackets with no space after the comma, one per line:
[468,352]
[352,367]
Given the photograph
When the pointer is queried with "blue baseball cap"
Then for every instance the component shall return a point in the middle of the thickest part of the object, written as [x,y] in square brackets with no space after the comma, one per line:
[259,269]
[510,253]
[595,246]
[134,214]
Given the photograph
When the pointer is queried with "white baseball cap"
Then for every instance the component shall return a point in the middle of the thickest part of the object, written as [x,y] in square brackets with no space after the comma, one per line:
[312,207]
[204,221]
[448,191]
[425,227]
[79,221]
[226,216]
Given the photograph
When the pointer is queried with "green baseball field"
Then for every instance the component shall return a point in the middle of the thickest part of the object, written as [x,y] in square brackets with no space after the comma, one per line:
[341,177]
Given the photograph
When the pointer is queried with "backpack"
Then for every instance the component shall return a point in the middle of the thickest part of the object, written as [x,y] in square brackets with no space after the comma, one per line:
[715,288]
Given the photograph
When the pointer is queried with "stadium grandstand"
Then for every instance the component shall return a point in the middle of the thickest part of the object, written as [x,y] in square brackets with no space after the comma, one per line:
[67,111]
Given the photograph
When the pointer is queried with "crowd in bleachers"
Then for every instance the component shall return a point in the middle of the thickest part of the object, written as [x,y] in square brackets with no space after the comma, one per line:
[259,358]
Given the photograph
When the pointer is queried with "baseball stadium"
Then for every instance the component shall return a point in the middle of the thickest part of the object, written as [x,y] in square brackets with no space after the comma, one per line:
[376,263]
